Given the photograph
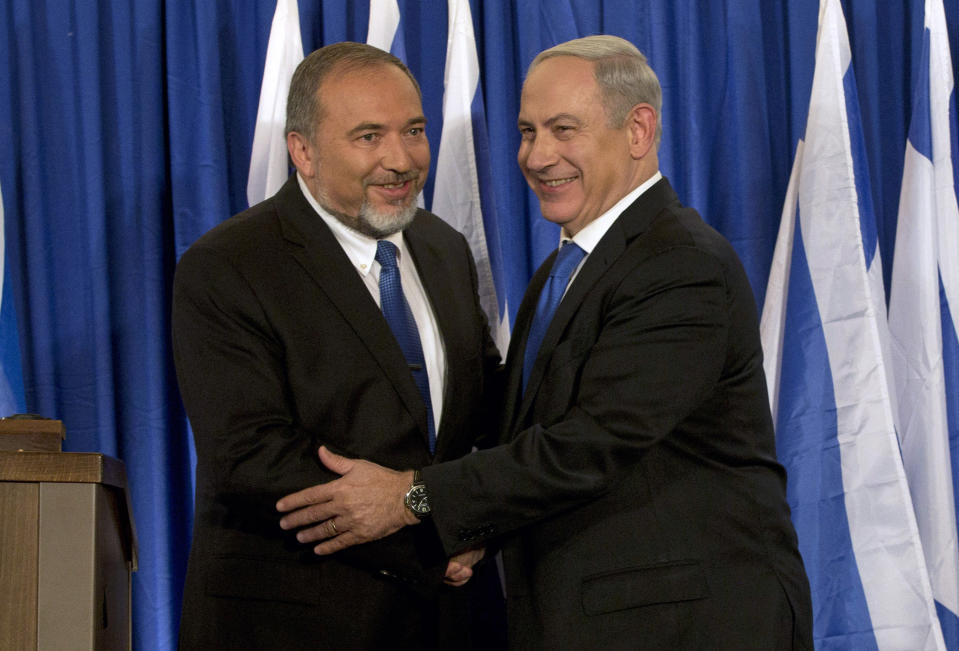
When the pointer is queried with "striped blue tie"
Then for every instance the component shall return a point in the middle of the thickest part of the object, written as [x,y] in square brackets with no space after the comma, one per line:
[569,256]
[400,319]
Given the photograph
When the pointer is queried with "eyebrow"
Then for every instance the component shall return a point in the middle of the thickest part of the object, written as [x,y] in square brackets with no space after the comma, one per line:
[551,121]
[375,126]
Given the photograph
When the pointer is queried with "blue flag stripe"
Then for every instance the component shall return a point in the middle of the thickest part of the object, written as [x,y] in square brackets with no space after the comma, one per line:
[398,47]
[954,138]
[487,200]
[806,444]
[920,126]
[860,166]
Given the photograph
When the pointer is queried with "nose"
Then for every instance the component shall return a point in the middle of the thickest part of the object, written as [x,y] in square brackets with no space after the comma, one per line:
[537,153]
[396,154]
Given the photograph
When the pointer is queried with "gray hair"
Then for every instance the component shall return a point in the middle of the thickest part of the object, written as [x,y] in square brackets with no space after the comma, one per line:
[622,74]
[304,105]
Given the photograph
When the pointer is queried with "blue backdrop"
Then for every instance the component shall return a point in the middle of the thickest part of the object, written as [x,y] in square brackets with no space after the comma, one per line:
[126,130]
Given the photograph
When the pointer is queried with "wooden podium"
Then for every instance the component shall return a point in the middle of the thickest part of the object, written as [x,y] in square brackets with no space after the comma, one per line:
[67,544]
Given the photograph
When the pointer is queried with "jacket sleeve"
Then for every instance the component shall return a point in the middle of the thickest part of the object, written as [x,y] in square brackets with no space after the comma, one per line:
[639,361]
[250,450]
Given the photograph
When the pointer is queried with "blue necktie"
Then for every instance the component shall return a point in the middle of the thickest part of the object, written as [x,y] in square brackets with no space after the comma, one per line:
[400,319]
[567,259]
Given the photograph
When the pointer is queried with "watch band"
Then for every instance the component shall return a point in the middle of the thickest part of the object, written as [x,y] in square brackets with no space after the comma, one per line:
[417,499]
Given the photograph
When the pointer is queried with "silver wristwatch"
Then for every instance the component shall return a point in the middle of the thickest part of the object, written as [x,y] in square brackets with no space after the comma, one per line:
[417,500]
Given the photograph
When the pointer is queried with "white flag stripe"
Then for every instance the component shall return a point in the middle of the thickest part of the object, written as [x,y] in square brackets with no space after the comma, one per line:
[456,196]
[384,19]
[777,288]
[877,289]
[268,162]
[926,246]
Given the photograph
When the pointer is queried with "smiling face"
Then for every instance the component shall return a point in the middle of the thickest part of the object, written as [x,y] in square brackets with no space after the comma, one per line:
[369,156]
[575,163]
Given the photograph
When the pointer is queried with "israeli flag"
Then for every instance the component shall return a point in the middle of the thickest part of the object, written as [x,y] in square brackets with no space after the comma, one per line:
[385,31]
[924,317]
[824,336]
[384,28]
[284,51]
[11,376]
[461,194]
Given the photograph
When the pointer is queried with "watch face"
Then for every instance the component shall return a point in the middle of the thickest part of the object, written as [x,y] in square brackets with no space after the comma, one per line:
[418,501]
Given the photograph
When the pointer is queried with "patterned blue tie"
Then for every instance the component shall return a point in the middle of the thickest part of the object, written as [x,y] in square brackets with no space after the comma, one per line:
[568,257]
[400,319]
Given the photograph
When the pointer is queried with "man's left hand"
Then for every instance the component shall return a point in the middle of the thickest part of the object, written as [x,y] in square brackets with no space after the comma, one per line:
[459,569]
[364,504]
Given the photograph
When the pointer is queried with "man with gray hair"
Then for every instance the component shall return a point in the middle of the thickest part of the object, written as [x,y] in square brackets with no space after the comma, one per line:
[635,491]
[334,313]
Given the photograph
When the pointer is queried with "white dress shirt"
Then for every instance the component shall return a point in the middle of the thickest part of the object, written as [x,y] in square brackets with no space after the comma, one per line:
[593,232]
[361,250]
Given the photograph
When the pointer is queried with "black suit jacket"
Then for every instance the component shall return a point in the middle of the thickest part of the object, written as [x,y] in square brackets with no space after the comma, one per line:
[280,348]
[637,491]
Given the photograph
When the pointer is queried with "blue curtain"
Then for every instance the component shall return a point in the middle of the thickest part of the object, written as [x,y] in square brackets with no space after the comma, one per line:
[125,133]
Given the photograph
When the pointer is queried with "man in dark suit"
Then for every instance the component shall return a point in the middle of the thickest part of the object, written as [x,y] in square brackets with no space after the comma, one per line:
[636,491]
[281,346]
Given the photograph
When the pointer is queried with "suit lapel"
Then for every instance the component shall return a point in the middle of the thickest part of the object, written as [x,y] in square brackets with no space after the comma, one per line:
[440,293]
[517,346]
[313,245]
[634,220]
[599,260]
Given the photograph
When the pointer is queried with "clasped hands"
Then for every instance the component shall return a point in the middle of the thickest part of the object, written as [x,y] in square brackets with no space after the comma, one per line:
[364,504]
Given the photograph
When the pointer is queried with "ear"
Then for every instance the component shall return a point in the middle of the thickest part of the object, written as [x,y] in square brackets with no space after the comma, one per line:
[641,125]
[301,153]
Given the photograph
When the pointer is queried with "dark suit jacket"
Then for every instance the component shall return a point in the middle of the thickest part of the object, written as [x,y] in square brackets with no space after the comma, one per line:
[280,348]
[638,492]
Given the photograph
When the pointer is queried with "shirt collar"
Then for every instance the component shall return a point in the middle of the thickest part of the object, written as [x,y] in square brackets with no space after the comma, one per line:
[593,232]
[359,248]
